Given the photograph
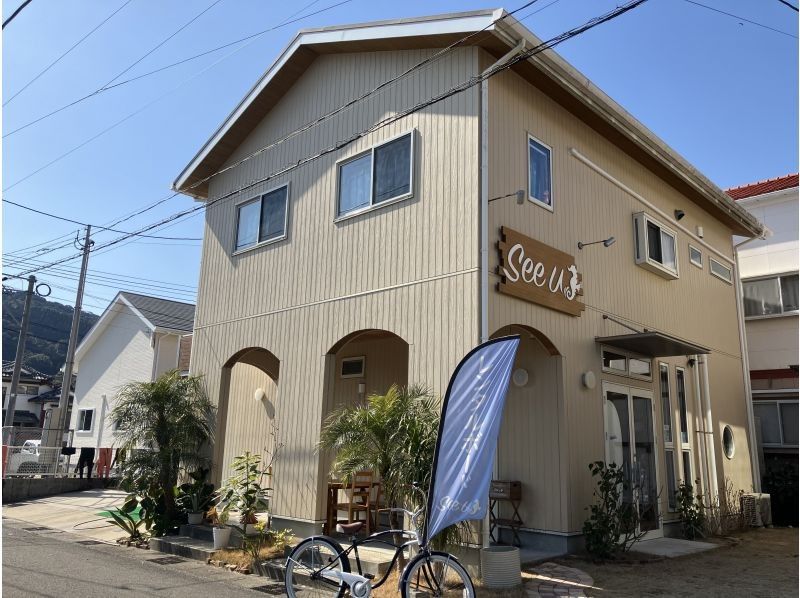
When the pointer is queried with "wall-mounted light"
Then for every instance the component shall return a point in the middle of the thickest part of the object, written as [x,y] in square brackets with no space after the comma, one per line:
[679,214]
[259,395]
[588,379]
[520,195]
[520,377]
[606,242]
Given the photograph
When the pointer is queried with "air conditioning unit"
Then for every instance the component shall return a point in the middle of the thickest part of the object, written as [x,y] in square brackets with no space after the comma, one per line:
[756,510]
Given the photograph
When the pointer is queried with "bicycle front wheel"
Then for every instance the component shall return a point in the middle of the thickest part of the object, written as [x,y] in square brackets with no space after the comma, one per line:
[436,574]
[307,565]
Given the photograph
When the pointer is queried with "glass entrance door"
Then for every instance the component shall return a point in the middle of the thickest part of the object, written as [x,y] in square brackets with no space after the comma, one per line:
[630,443]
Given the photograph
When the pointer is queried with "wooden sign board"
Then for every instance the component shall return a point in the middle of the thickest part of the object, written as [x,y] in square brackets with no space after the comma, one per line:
[538,273]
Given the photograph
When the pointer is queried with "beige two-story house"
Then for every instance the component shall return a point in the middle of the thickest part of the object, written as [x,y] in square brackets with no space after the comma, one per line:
[385,198]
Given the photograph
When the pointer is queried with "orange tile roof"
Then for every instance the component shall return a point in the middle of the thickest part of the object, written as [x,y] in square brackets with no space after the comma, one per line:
[761,187]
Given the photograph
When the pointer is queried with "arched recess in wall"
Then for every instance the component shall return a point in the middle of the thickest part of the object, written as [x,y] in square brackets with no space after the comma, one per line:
[528,447]
[246,418]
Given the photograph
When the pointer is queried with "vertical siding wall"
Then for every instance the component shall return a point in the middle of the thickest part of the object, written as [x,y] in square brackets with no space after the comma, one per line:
[408,268]
[121,354]
[587,207]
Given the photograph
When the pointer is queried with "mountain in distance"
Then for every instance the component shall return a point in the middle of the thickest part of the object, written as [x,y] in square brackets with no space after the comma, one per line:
[48,330]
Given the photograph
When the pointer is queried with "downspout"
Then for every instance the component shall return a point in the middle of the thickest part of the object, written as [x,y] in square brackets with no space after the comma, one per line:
[484,229]
[711,452]
[748,390]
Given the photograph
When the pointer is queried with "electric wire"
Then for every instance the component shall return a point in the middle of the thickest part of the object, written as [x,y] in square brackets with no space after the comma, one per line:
[65,53]
[792,6]
[459,88]
[15,13]
[722,12]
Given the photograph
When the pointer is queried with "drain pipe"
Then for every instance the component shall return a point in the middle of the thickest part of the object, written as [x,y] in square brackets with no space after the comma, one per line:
[748,390]
[484,212]
[483,223]
[711,453]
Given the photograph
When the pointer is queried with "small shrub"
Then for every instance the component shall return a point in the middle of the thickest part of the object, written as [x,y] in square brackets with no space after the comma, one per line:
[613,524]
[724,515]
[692,512]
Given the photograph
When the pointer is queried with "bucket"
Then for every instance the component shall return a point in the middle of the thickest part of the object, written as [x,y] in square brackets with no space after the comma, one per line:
[500,567]
[194,518]
[222,536]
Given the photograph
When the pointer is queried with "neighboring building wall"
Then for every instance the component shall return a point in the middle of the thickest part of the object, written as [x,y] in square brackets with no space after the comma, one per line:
[697,307]
[166,353]
[409,268]
[121,354]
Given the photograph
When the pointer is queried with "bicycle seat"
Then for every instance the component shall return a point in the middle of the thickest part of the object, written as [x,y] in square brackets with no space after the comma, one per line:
[349,528]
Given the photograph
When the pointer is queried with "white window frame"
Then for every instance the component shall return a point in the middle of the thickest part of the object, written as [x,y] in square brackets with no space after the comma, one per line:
[260,198]
[337,216]
[669,445]
[688,444]
[628,356]
[776,277]
[78,421]
[549,148]
[642,247]
[699,264]
[777,403]
[711,262]
[360,374]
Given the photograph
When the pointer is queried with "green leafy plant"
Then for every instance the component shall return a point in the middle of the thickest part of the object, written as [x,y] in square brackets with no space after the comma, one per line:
[243,491]
[166,426]
[128,520]
[613,523]
[691,510]
[196,496]
[265,538]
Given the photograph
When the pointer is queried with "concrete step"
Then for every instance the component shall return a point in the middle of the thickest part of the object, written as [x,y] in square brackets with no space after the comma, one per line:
[199,532]
[185,546]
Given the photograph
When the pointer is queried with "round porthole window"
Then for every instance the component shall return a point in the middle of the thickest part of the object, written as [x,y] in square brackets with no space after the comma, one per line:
[727,442]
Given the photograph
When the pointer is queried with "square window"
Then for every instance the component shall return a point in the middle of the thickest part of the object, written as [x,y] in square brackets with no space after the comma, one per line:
[761,297]
[720,271]
[273,215]
[696,256]
[263,219]
[789,292]
[767,413]
[655,246]
[85,417]
[382,174]
[540,173]
[640,367]
[615,361]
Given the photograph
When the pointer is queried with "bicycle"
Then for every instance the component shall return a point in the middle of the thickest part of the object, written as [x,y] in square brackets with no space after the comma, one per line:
[320,566]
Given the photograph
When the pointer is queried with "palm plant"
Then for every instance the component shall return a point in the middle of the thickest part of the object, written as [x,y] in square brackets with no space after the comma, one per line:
[393,434]
[167,424]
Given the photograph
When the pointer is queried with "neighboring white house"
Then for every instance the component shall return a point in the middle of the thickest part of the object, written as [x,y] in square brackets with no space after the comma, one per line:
[769,272]
[32,383]
[135,340]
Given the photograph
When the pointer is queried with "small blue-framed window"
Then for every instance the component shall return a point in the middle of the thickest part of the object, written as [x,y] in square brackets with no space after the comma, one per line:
[540,173]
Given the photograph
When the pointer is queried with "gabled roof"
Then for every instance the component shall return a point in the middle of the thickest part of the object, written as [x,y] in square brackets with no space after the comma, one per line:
[766,186]
[26,373]
[496,35]
[159,315]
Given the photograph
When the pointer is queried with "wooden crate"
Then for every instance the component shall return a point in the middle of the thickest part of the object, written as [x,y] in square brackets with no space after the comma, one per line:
[505,489]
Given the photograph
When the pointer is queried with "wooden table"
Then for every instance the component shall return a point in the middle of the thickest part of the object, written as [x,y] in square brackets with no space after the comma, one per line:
[331,501]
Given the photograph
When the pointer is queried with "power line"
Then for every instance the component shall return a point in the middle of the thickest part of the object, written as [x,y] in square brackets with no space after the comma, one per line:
[792,6]
[109,86]
[43,213]
[16,12]
[463,86]
[722,12]
[64,54]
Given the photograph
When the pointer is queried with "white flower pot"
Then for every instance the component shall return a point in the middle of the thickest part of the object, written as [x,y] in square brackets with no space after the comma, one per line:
[222,536]
[195,518]
[250,529]
[500,567]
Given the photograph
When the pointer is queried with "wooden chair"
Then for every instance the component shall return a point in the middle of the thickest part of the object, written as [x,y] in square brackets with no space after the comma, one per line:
[359,499]
[378,506]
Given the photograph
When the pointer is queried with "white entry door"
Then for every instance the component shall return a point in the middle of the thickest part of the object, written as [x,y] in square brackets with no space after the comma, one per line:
[630,443]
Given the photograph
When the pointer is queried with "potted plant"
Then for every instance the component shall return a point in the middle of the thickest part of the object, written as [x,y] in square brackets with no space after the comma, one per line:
[195,496]
[243,492]
[221,532]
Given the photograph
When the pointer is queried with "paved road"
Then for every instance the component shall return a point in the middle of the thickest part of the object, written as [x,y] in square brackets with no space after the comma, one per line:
[53,563]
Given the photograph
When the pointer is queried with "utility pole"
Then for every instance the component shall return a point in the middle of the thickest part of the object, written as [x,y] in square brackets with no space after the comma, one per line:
[58,420]
[8,423]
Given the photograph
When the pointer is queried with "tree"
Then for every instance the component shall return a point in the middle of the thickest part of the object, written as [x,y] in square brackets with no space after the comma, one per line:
[393,434]
[171,420]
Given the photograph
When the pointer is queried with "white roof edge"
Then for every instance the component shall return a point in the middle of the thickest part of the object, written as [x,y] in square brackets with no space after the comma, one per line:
[431,25]
[779,195]
[101,324]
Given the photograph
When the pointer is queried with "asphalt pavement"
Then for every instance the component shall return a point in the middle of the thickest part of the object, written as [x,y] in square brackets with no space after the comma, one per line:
[50,562]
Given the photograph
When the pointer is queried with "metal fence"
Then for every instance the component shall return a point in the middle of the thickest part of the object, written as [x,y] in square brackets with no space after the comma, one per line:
[26,452]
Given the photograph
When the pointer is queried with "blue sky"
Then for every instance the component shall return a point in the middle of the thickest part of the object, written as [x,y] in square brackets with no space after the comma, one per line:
[721,91]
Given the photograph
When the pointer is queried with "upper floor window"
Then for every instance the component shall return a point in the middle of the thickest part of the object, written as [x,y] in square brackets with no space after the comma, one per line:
[85,420]
[720,270]
[770,296]
[695,256]
[382,174]
[779,422]
[655,246]
[540,173]
[263,219]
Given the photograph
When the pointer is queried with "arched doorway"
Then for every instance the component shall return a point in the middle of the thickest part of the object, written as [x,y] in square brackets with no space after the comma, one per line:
[246,418]
[528,449]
